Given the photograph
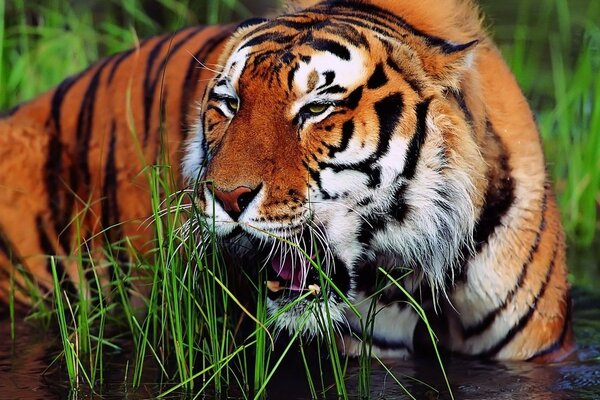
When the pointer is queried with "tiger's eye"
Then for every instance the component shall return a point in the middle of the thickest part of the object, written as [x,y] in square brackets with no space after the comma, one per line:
[317,108]
[232,103]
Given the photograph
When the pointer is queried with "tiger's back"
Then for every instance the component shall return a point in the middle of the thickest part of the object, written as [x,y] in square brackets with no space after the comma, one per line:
[73,160]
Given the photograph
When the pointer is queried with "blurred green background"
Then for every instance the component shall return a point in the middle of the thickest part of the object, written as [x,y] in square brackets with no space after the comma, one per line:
[553,47]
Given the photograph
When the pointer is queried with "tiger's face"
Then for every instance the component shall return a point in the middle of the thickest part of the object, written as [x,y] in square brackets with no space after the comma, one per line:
[325,142]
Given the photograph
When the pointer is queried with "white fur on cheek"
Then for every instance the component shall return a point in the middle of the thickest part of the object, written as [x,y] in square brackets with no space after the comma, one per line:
[194,156]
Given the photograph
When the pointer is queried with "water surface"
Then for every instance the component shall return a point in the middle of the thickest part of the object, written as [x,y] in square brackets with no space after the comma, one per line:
[24,372]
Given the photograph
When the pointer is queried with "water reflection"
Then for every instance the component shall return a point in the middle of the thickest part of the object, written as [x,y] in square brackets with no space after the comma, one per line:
[24,373]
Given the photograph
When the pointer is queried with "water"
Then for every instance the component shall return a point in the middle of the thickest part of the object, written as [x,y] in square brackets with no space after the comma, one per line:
[25,372]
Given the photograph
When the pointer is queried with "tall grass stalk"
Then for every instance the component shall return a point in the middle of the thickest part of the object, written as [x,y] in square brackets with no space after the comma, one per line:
[70,356]
[338,366]
[11,304]
[421,312]
[2,32]
[307,370]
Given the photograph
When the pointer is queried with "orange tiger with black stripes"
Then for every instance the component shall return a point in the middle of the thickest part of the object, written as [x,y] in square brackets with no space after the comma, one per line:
[371,133]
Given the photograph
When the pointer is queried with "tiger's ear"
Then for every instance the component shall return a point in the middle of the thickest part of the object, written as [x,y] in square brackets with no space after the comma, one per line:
[449,62]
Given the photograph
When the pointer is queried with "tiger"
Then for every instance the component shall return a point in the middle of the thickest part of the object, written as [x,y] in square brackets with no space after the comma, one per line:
[341,139]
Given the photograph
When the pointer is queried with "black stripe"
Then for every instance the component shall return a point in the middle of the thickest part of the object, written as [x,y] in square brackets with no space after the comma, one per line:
[217,97]
[10,112]
[251,22]
[149,82]
[120,58]
[58,98]
[333,90]
[525,318]
[378,17]
[58,201]
[383,30]
[316,178]
[350,34]
[292,22]
[460,99]
[347,132]
[353,98]
[330,46]
[287,57]
[499,198]
[378,78]
[111,217]
[291,74]
[340,277]
[329,78]
[80,167]
[273,37]
[110,204]
[49,250]
[489,319]
[563,333]
[414,148]
[408,78]
[385,343]
[399,209]
[85,124]
[365,166]
[388,110]
[190,81]
[369,226]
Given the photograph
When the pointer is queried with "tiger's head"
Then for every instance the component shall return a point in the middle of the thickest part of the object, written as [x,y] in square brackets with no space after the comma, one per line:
[334,135]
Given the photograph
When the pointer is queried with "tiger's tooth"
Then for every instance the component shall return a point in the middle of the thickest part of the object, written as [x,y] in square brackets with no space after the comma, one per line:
[314,289]
[274,286]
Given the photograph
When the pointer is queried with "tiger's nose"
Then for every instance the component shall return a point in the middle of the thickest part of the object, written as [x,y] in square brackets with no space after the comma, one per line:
[235,201]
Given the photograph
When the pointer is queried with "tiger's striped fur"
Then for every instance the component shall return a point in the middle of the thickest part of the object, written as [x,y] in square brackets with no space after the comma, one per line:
[73,153]
[378,133]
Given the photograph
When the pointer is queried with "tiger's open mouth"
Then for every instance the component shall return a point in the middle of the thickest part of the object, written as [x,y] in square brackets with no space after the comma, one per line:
[306,283]
[292,272]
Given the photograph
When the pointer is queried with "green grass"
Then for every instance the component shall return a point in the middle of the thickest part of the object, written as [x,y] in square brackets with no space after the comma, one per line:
[191,330]
[37,36]
[553,48]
